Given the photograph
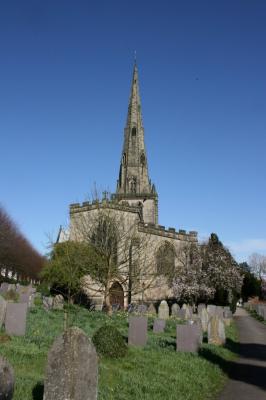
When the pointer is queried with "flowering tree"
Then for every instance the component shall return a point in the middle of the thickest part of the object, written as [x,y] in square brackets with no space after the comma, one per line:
[207,272]
[191,281]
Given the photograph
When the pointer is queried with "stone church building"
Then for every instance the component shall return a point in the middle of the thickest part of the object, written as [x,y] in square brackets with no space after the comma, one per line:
[135,206]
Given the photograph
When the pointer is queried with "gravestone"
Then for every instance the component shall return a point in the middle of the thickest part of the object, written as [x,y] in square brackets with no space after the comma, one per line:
[142,308]
[47,303]
[151,309]
[216,331]
[188,311]
[15,321]
[2,311]
[72,368]
[175,310]
[7,380]
[200,307]
[204,317]
[58,302]
[211,309]
[228,314]
[137,332]
[198,326]
[163,311]
[182,314]
[159,325]
[219,311]
[4,287]
[187,338]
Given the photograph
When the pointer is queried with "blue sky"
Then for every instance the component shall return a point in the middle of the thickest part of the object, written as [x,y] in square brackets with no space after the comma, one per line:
[65,75]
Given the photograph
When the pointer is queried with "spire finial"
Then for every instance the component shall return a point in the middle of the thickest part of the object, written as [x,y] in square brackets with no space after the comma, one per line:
[135,57]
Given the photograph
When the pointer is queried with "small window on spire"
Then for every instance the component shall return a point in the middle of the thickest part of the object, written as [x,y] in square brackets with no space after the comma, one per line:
[134,131]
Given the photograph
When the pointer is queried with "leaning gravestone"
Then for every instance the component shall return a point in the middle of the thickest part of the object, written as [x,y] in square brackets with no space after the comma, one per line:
[15,321]
[216,331]
[187,338]
[175,310]
[163,311]
[2,311]
[204,317]
[142,308]
[58,302]
[7,380]
[137,332]
[72,368]
[159,325]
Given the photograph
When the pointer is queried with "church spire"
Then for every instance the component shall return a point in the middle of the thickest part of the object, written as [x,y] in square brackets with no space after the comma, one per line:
[134,182]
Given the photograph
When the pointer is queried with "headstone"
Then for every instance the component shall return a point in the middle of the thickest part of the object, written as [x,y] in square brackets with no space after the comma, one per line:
[47,303]
[159,325]
[142,308]
[198,325]
[201,306]
[188,311]
[187,338]
[58,302]
[72,368]
[2,311]
[216,331]
[182,314]
[175,310]
[4,287]
[204,317]
[15,321]
[7,380]
[138,329]
[24,297]
[228,314]
[211,309]
[163,311]
[219,311]
[151,309]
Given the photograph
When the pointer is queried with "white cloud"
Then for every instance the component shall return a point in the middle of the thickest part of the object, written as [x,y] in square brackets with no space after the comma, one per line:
[244,248]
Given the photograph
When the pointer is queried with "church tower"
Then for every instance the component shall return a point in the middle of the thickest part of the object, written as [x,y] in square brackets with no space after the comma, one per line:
[134,184]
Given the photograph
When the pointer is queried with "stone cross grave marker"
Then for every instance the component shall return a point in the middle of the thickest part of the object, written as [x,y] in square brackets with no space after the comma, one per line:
[138,331]
[72,368]
[15,321]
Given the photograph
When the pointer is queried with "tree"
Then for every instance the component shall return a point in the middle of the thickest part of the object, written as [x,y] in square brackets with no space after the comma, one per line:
[222,271]
[257,264]
[69,262]
[251,284]
[123,252]
[191,282]
[16,253]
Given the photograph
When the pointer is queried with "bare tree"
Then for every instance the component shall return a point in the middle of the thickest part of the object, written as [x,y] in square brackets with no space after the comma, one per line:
[125,254]
[257,264]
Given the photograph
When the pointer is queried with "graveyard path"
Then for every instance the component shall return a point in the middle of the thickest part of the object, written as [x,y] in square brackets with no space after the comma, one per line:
[247,375]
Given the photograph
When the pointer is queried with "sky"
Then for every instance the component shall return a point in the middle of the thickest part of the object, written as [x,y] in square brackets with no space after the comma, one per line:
[65,75]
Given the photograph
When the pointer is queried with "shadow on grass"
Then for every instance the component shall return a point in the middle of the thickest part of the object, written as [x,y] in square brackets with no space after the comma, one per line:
[37,391]
[249,370]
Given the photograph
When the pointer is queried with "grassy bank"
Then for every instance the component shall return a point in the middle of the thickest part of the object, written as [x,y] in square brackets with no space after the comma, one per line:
[155,372]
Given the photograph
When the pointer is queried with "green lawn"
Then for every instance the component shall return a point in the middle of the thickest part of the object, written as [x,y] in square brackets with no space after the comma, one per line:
[155,372]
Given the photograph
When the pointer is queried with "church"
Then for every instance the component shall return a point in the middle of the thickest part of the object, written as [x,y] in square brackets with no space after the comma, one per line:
[152,251]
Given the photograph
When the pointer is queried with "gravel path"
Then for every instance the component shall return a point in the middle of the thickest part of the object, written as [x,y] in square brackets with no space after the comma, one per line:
[247,375]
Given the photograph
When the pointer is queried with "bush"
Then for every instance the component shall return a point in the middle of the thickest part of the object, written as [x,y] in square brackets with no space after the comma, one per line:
[11,295]
[43,288]
[109,342]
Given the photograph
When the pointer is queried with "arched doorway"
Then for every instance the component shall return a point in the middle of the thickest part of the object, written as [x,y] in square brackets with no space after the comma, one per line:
[117,295]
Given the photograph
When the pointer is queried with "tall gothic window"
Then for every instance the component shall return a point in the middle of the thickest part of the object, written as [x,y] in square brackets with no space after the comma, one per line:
[165,260]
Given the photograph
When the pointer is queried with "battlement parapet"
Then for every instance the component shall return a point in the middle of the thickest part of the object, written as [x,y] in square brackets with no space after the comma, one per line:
[160,230]
[95,204]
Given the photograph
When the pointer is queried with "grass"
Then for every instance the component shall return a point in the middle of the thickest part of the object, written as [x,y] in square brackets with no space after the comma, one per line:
[155,372]
[255,315]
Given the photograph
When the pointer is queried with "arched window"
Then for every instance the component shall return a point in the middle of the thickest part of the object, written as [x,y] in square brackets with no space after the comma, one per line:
[133,132]
[165,260]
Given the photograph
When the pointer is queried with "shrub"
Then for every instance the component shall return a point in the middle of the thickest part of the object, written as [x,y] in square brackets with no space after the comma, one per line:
[43,288]
[11,295]
[109,342]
